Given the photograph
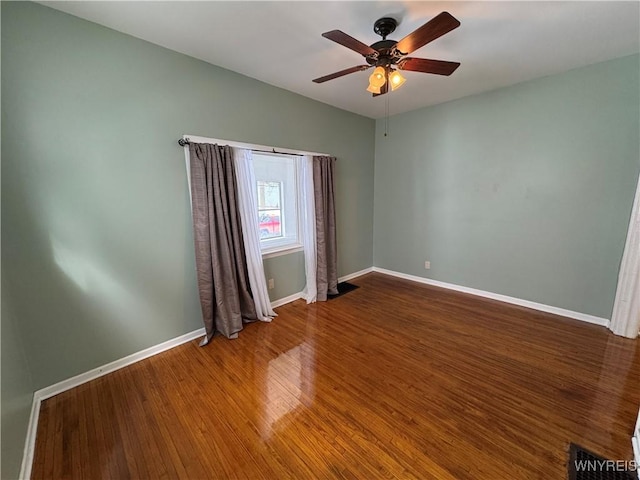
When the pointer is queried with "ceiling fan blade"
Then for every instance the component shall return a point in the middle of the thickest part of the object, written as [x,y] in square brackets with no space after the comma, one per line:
[384,89]
[425,65]
[434,28]
[350,42]
[341,73]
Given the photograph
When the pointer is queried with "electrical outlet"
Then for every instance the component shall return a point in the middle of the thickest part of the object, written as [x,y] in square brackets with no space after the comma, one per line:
[272,283]
[427,265]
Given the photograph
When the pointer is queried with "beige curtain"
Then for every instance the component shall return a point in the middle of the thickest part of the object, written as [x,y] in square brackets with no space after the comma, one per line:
[223,279]
[326,251]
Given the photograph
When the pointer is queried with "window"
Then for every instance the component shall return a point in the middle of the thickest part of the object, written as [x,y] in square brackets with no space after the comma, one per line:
[277,196]
[270,209]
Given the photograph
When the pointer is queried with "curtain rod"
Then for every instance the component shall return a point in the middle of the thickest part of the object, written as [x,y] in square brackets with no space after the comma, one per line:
[259,148]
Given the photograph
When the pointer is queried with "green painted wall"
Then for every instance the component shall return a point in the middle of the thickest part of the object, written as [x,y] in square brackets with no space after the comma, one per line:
[525,191]
[17,393]
[96,227]
[288,274]
[16,389]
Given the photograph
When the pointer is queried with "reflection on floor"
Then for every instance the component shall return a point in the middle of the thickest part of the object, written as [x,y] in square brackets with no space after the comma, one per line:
[393,380]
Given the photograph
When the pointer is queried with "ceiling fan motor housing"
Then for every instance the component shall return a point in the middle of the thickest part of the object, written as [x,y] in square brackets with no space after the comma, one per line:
[387,52]
[385,26]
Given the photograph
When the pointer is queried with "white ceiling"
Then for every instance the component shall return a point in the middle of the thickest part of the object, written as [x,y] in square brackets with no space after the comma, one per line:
[280,43]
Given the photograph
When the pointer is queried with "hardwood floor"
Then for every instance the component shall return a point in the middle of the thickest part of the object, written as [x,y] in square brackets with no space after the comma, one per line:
[392,380]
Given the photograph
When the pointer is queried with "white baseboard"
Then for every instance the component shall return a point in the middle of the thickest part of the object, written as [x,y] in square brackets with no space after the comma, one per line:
[355,274]
[502,298]
[296,296]
[72,382]
[30,440]
[52,390]
[285,300]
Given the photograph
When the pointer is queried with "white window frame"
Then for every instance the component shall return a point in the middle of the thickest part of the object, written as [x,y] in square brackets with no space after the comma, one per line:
[280,209]
[282,246]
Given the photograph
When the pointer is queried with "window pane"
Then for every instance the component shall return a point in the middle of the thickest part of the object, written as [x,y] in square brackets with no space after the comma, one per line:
[270,225]
[269,210]
[269,195]
[277,192]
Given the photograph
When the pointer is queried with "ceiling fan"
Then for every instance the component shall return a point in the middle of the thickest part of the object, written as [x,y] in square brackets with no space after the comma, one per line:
[390,56]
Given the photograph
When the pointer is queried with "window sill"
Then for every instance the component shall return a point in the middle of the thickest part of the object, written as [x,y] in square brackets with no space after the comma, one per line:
[283,250]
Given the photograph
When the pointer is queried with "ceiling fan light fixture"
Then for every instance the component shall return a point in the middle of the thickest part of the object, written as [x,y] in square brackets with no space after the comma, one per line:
[379,72]
[377,78]
[396,80]
[373,89]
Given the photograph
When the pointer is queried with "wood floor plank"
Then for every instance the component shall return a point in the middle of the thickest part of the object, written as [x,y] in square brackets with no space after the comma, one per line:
[392,380]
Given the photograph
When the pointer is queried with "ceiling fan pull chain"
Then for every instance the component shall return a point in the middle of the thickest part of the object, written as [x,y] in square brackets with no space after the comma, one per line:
[386,120]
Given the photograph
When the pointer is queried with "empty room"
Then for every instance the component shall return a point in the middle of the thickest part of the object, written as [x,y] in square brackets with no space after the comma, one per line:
[320,240]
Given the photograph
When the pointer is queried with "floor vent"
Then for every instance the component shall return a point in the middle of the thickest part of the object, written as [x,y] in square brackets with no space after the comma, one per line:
[343,287]
[586,465]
